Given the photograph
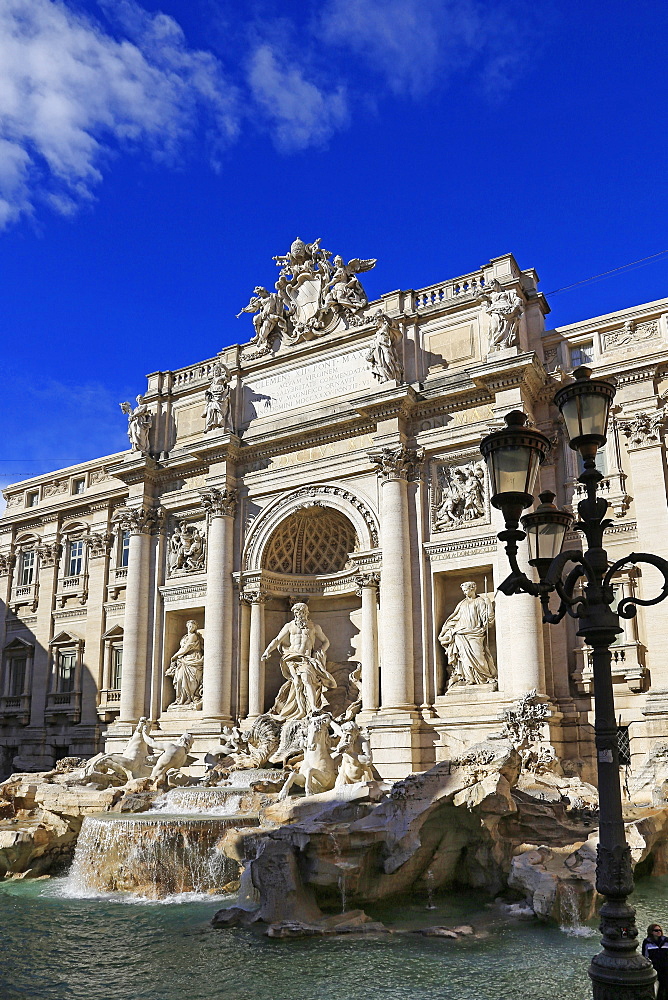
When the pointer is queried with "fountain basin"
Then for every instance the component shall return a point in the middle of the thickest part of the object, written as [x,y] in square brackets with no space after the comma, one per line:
[154,855]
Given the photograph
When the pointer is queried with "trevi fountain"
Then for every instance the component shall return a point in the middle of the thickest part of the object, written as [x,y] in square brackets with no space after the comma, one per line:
[272,724]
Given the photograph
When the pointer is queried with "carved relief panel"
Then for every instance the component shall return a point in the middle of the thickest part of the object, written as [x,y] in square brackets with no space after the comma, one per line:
[187,548]
[458,493]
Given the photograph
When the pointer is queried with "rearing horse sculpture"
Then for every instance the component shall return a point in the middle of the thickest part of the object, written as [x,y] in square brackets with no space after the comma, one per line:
[317,771]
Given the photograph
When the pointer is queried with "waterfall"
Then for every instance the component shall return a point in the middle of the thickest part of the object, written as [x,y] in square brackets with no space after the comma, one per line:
[570,912]
[201,801]
[152,857]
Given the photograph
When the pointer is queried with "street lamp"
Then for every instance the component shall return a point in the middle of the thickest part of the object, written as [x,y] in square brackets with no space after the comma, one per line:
[513,456]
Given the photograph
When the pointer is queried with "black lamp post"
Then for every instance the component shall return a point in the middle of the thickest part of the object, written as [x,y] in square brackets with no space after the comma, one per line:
[513,456]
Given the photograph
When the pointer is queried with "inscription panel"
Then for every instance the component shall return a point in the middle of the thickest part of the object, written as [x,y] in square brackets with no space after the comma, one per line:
[315,382]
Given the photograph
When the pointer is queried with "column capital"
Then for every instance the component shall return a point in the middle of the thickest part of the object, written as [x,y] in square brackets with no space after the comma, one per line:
[49,553]
[643,429]
[139,520]
[99,544]
[398,462]
[253,596]
[219,503]
[371,580]
[7,562]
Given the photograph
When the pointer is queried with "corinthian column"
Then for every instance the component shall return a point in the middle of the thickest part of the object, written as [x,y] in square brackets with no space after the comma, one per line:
[142,523]
[256,668]
[217,676]
[368,590]
[395,467]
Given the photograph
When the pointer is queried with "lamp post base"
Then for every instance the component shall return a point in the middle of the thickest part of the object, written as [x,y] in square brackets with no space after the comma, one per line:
[619,972]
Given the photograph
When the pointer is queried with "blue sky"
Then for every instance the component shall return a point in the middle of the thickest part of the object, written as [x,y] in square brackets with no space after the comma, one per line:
[155,155]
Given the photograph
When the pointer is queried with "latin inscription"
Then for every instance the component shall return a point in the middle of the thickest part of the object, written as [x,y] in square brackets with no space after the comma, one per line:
[299,387]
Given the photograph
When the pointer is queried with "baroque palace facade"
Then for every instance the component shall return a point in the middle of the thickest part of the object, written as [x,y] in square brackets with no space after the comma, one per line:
[333,462]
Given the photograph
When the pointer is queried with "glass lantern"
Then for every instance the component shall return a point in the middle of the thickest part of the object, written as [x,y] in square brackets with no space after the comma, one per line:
[585,405]
[546,529]
[513,456]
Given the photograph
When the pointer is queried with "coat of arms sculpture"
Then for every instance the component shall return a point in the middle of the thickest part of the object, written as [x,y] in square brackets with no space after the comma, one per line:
[315,294]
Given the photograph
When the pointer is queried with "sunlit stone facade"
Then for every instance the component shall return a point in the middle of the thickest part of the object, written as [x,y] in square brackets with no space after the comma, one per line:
[334,464]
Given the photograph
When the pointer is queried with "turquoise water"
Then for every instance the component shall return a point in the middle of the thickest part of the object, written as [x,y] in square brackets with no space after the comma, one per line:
[59,948]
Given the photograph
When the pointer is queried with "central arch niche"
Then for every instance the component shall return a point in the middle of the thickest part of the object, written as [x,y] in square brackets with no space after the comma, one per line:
[312,541]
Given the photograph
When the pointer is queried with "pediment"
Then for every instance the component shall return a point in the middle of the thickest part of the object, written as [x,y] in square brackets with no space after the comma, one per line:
[114,633]
[19,645]
[66,638]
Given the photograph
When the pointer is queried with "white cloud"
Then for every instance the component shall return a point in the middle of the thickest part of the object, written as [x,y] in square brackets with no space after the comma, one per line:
[300,113]
[417,45]
[70,93]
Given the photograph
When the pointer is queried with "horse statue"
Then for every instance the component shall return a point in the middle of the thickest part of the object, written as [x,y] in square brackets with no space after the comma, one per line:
[135,761]
[317,771]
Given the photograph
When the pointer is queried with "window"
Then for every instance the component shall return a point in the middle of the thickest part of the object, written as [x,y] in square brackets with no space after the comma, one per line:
[16,675]
[623,746]
[32,499]
[78,486]
[582,354]
[116,668]
[125,549]
[66,665]
[27,568]
[75,561]
[601,462]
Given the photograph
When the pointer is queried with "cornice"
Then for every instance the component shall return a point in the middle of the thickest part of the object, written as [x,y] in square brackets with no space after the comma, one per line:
[435,551]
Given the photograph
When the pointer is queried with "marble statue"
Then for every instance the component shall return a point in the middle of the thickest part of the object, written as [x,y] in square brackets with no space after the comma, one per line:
[462,494]
[173,757]
[139,424]
[504,308]
[354,753]
[383,355]
[344,287]
[135,761]
[464,638]
[269,319]
[186,549]
[318,770]
[303,666]
[185,668]
[217,396]
[314,295]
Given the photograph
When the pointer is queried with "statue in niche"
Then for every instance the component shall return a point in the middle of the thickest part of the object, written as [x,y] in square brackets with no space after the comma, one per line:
[465,639]
[217,396]
[504,308]
[303,666]
[186,549]
[462,494]
[139,424]
[270,317]
[185,668]
[383,356]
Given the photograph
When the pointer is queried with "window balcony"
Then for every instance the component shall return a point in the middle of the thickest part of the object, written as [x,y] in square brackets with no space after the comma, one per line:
[21,596]
[72,586]
[628,667]
[63,706]
[118,578]
[15,708]
[110,703]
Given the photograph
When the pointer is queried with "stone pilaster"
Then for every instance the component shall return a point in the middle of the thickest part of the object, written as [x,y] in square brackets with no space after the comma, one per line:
[220,505]
[367,584]
[256,645]
[644,433]
[99,544]
[48,556]
[143,523]
[396,466]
